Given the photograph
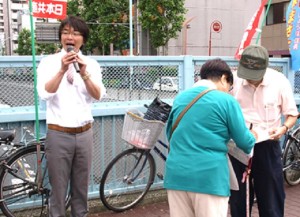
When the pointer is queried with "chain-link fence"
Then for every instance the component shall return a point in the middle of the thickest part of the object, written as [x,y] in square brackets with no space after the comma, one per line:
[16,86]
[123,83]
[129,81]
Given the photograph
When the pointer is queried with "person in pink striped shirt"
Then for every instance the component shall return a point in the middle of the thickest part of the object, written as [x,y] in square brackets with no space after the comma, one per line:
[265,96]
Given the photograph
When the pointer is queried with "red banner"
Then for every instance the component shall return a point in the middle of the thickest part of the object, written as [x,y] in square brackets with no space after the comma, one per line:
[250,31]
[49,9]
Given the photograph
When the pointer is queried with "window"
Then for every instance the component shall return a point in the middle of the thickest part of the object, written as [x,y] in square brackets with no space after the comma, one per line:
[164,81]
[277,13]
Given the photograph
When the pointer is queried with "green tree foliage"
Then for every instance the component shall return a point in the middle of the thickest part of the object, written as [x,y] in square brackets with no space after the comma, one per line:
[25,48]
[46,48]
[109,21]
[75,7]
[24,43]
[163,19]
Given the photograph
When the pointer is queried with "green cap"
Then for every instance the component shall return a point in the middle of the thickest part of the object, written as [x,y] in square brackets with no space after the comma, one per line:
[253,63]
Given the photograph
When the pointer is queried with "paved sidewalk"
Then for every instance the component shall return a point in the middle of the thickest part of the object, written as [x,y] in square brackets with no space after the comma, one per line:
[161,209]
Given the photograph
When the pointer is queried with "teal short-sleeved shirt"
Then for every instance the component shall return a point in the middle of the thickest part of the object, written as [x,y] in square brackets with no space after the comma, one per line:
[197,161]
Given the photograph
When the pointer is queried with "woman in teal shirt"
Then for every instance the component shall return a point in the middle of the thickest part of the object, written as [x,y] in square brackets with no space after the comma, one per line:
[197,173]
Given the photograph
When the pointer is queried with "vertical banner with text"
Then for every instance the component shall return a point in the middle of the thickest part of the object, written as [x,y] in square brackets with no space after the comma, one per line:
[250,30]
[293,32]
[56,9]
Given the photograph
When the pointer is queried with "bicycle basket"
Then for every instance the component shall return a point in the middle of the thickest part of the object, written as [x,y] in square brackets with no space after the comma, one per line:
[140,132]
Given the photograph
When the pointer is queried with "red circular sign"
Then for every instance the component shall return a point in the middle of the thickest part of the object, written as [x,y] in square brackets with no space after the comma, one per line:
[217,26]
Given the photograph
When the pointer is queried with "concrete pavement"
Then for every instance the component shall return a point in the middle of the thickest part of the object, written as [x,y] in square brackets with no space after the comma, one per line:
[161,209]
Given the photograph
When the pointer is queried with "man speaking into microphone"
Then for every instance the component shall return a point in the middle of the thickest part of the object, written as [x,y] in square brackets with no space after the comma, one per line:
[69,82]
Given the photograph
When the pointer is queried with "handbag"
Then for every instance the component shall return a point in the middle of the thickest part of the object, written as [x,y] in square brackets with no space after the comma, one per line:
[157,110]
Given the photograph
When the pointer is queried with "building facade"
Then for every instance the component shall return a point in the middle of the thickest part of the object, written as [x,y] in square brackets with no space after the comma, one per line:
[274,31]
[14,16]
[211,28]
[9,28]
[214,27]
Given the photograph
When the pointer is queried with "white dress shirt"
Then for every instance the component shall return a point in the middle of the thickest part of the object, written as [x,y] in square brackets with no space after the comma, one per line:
[70,106]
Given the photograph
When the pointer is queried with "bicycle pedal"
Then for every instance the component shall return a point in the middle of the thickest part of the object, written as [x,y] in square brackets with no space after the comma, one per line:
[160,176]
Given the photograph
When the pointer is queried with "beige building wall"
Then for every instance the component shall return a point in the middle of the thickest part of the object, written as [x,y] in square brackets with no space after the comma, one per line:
[274,38]
[234,16]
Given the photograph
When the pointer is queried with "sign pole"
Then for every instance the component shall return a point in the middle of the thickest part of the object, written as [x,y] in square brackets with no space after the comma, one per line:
[130,44]
[263,22]
[209,43]
[130,29]
[216,26]
[37,126]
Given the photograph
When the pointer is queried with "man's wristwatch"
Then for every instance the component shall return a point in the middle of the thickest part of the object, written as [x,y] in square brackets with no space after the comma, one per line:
[286,127]
[86,76]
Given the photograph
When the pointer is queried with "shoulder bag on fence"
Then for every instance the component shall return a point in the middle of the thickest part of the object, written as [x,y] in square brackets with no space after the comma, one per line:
[233,180]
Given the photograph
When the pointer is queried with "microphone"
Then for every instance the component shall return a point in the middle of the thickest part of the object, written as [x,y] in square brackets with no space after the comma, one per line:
[76,66]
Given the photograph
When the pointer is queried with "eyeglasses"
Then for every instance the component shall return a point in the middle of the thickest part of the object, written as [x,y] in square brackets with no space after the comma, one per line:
[73,34]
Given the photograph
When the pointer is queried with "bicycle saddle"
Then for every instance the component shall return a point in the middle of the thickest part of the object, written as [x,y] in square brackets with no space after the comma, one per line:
[7,135]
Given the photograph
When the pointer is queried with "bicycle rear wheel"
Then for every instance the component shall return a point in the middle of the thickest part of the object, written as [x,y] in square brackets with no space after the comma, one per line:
[19,195]
[291,160]
[127,179]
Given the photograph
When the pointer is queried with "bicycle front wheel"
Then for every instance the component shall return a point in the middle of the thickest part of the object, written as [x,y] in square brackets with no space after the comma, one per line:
[19,192]
[127,179]
[291,160]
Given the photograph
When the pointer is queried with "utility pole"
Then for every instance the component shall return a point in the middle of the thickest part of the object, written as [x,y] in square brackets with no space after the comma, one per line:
[136,28]
[130,29]
[185,27]
[7,27]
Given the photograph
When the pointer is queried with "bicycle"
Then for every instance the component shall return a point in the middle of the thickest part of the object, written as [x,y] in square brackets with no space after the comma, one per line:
[129,176]
[291,156]
[7,145]
[21,193]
